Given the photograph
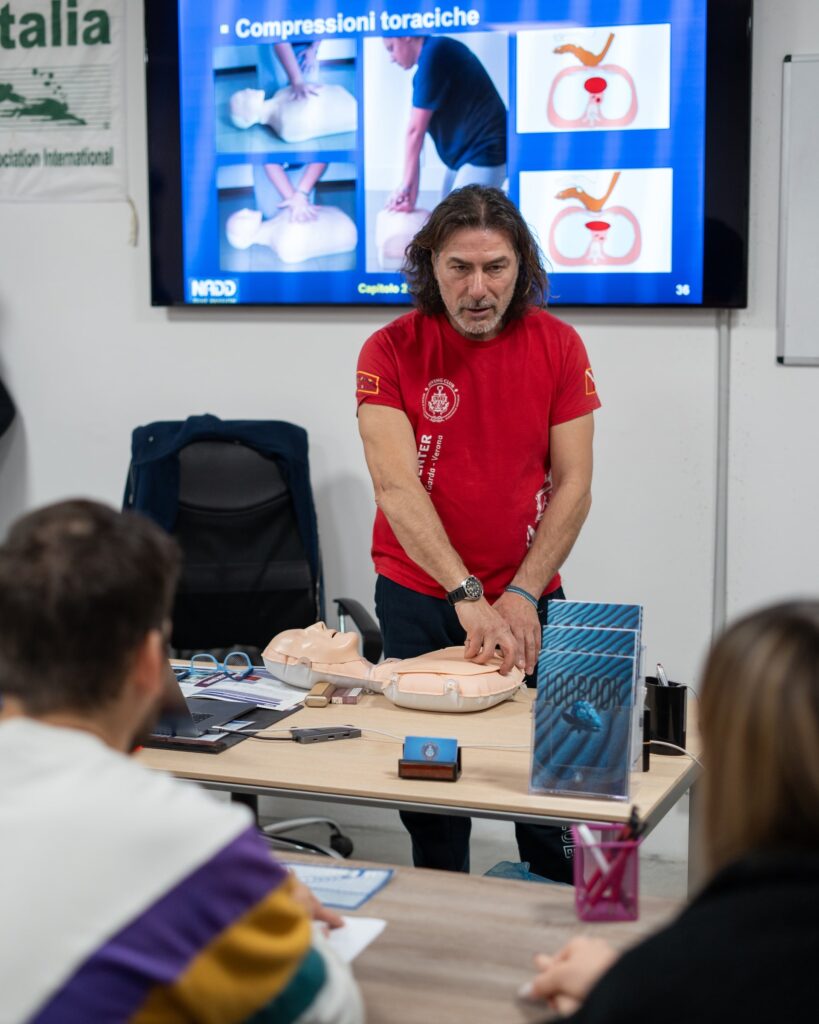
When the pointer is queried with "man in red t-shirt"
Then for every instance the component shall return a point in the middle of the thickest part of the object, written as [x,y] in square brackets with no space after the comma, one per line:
[476,415]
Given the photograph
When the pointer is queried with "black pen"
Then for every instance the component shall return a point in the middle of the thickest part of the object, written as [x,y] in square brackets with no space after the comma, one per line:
[646,739]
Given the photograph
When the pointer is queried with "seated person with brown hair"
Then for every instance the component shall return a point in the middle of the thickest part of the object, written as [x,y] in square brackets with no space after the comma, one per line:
[747,946]
[127,895]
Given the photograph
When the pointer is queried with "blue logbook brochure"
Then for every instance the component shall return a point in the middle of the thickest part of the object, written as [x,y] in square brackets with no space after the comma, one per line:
[623,643]
[587,675]
[590,613]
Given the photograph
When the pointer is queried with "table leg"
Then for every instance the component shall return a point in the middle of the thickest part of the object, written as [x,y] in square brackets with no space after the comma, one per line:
[696,865]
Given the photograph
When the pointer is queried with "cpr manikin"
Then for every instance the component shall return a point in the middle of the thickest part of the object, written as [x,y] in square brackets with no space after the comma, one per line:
[328,233]
[327,110]
[394,230]
[439,681]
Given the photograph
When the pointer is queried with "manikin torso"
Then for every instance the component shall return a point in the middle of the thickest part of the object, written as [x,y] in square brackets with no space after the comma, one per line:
[441,680]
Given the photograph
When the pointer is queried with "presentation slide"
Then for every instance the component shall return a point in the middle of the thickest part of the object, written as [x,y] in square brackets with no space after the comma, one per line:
[316,140]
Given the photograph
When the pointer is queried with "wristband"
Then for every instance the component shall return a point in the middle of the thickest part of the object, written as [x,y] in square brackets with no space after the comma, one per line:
[522,593]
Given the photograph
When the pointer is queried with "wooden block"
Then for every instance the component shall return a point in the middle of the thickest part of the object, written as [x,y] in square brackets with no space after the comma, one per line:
[346,694]
[319,696]
[434,771]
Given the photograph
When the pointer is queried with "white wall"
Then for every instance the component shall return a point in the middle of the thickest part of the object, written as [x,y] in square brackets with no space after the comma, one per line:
[87,358]
[773,540]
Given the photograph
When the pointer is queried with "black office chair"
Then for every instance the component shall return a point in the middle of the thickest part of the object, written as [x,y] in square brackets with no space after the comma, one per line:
[7,409]
[237,497]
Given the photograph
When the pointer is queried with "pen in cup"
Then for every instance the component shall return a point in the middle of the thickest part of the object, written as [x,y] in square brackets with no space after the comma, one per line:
[588,839]
[632,829]
[662,678]
[611,880]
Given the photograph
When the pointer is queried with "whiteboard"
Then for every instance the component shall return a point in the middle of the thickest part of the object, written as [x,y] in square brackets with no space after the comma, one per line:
[798,274]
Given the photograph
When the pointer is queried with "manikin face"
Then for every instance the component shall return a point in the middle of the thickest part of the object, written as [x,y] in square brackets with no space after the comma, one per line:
[317,643]
[403,50]
[476,270]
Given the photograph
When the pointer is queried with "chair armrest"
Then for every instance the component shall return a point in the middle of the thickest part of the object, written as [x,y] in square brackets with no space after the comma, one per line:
[365,624]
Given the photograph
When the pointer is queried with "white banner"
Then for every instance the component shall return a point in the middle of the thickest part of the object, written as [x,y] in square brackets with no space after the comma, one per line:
[62,123]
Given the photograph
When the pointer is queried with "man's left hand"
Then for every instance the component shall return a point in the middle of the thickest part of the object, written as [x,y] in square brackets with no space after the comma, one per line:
[522,619]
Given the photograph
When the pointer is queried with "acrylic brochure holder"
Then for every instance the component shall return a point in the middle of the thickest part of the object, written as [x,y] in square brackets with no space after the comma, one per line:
[584,710]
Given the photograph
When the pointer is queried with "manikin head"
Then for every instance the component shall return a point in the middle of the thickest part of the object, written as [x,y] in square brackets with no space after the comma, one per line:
[242,228]
[760,729]
[404,50]
[476,260]
[315,644]
[246,107]
[85,602]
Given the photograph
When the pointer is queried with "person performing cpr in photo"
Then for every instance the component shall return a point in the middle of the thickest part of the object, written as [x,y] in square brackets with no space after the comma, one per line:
[455,100]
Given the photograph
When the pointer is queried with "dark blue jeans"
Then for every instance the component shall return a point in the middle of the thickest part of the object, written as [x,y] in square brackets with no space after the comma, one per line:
[412,624]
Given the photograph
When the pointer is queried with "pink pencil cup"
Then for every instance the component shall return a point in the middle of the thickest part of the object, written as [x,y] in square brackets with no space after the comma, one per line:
[606,875]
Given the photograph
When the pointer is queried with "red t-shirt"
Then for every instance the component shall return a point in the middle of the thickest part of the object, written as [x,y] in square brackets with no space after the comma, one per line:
[481,412]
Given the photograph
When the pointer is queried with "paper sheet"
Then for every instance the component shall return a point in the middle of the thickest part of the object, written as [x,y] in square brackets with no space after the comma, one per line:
[345,888]
[260,688]
[354,937]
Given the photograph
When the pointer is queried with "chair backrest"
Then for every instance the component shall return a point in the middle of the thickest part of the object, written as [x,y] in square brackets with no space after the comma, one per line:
[246,574]
[6,409]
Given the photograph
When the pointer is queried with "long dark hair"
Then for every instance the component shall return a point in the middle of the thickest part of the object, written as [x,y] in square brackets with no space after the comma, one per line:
[475,206]
[760,733]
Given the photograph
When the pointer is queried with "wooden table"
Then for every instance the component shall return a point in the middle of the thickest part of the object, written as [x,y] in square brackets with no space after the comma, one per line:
[457,948]
[494,783]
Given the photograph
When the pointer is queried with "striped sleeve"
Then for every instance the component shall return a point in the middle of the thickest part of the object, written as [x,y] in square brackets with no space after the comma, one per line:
[221,946]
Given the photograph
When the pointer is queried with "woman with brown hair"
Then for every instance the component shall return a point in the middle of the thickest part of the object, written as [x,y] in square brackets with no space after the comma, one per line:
[747,947]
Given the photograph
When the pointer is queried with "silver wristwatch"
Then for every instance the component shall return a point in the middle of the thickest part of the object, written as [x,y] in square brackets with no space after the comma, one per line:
[470,589]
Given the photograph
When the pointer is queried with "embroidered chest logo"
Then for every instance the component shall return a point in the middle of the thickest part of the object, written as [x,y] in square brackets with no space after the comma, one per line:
[441,399]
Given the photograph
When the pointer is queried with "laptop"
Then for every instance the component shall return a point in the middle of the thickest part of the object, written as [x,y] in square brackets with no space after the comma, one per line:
[193,718]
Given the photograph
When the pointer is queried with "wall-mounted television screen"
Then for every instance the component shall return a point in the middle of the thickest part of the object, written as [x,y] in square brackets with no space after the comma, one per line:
[295,146]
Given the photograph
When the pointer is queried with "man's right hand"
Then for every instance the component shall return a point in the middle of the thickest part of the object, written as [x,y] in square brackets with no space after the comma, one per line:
[400,200]
[486,630]
[302,90]
[300,207]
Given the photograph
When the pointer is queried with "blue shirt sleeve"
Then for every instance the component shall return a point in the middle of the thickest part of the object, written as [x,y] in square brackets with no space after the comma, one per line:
[429,84]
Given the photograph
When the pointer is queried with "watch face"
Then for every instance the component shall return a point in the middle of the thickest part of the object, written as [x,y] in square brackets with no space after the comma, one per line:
[473,588]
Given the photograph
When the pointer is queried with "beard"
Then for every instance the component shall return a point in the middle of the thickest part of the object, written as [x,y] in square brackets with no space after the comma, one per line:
[479,328]
[169,703]
[144,728]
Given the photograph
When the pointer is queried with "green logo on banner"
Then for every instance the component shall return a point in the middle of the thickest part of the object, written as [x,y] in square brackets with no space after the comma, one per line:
[66,26]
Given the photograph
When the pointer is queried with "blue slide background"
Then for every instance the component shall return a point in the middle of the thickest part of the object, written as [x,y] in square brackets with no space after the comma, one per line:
[681,147]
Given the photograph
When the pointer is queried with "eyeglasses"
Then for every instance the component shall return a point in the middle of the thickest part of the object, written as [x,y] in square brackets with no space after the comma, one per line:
[237,665]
